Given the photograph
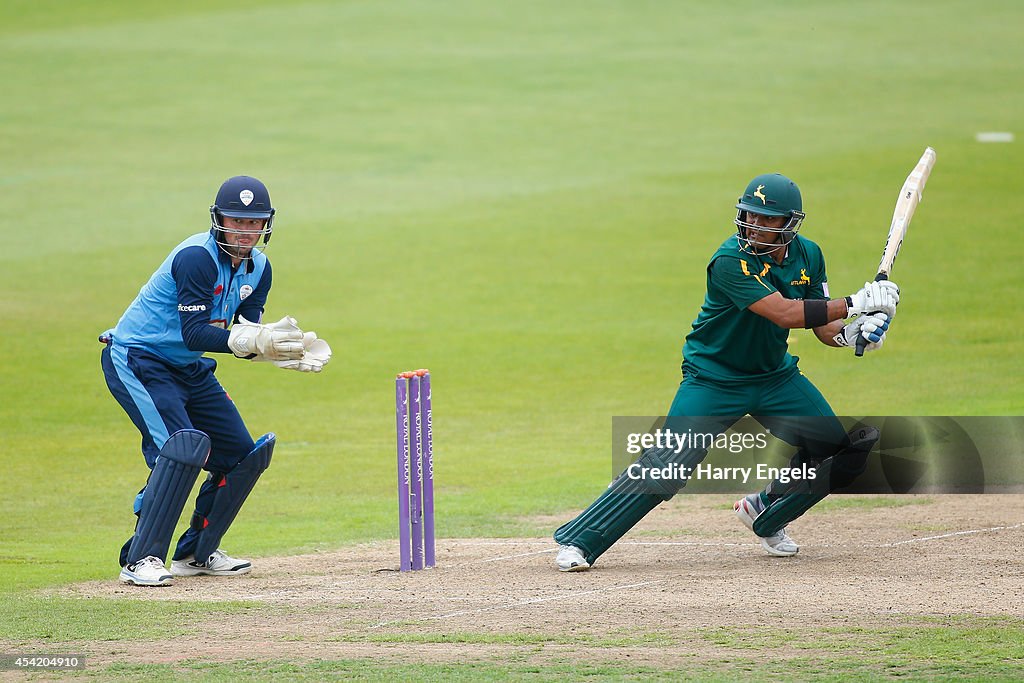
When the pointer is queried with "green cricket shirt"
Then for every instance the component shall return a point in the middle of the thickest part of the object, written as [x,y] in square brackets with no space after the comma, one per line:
[728,342]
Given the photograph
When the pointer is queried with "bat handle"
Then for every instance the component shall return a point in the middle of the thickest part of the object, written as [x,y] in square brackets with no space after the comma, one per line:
[861,341]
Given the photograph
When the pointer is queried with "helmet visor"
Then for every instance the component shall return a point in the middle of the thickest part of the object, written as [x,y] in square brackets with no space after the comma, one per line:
[763,210]
[246,214]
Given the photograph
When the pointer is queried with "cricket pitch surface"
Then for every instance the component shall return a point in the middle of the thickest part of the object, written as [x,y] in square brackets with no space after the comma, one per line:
[688,585]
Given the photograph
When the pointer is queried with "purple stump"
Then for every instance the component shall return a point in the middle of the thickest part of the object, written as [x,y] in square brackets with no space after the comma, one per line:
[427,442]
[402,420]
[416,482]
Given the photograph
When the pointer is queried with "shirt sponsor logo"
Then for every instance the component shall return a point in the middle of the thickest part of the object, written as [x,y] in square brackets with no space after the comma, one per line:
[244,291]
[191,309]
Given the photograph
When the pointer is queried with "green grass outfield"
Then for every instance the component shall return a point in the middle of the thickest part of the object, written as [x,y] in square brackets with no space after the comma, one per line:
[520,196]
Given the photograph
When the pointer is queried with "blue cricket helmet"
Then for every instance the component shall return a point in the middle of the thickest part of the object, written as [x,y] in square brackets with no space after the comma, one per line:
[242,197]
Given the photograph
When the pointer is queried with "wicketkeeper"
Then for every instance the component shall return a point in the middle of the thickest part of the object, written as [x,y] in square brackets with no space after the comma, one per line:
[762,282]
[155,368]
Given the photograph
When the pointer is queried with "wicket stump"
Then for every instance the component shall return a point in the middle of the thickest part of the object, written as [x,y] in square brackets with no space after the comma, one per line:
[415,470]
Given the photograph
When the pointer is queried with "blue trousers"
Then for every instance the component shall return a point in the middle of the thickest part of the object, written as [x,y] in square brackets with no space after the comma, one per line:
[160,399]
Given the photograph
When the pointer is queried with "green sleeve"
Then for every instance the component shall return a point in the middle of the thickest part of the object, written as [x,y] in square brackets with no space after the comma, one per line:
[819,280]
[739,280]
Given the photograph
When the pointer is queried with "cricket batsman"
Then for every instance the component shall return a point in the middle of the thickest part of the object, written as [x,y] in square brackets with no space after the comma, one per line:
[763,281]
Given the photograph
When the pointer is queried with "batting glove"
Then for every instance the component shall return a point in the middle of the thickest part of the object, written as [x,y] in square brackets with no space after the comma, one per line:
[871,326]
[874,296]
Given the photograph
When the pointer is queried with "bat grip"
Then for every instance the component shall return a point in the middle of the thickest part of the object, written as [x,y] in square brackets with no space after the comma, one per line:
[861,341]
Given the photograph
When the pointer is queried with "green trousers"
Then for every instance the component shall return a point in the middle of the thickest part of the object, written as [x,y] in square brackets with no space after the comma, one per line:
[778,403]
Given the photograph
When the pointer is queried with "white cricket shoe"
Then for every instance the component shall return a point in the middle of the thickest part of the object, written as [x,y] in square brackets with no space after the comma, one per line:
[149,571]
[219,564]
[778,544]
[570,559]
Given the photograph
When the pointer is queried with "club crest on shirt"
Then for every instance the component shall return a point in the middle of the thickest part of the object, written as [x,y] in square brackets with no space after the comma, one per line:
[804,280]
[244,291]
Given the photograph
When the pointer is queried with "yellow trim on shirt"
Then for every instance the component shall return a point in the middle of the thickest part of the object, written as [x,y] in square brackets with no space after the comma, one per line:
[743,266]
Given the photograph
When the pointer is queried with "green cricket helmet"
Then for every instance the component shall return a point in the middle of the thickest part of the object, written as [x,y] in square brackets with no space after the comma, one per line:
[770,194]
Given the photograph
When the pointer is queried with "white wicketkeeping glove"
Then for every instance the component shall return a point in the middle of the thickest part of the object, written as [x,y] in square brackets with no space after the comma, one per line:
[875,296]
[871,326]
[317,355]
[279,341]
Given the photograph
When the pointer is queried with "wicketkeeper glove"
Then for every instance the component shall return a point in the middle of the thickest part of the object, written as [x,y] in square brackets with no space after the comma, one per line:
[279,341]
[317,354]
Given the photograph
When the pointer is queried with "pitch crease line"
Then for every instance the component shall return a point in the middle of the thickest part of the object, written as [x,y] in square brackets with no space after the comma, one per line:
[722,544]
[512,557]
[511,541]
[954,533]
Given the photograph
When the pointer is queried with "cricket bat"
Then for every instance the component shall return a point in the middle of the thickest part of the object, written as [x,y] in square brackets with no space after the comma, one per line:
[906,204]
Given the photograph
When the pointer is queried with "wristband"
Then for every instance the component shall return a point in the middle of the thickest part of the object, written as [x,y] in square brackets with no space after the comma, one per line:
[815,313]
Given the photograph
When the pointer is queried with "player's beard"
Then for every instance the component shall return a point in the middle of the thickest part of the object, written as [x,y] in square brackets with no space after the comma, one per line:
[238,251]
[757,248]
